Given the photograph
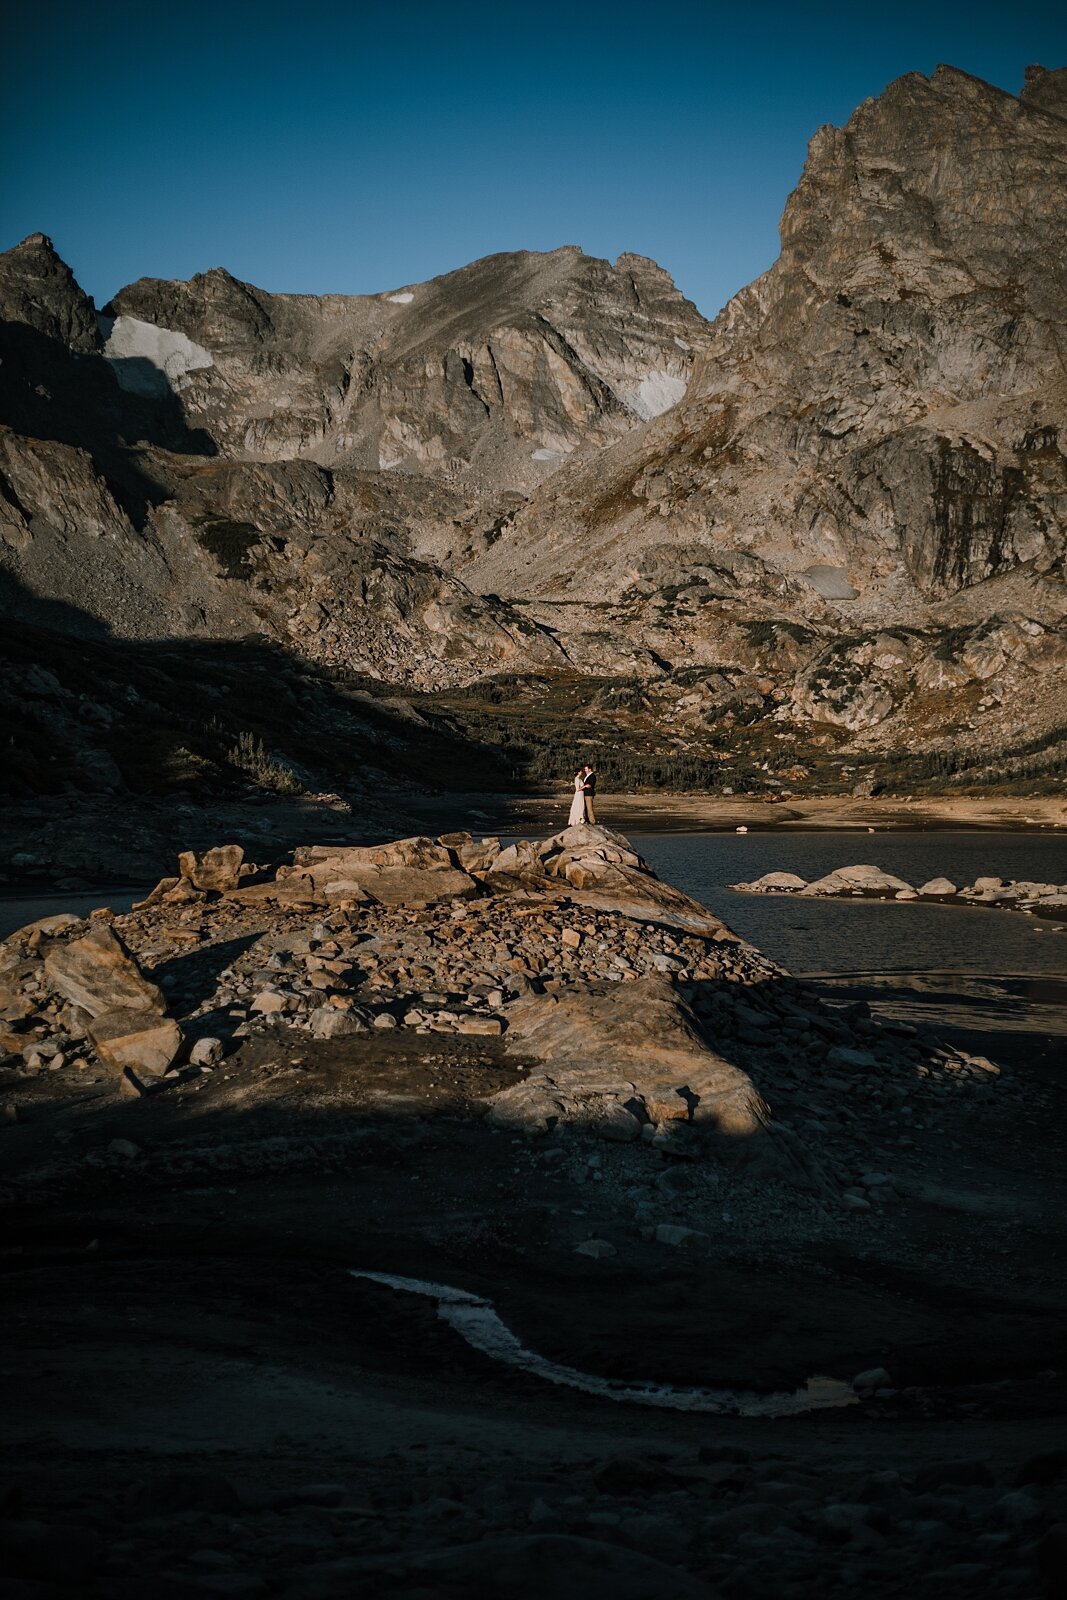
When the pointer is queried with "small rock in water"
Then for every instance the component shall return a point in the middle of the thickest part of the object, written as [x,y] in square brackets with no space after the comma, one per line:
[870,1380]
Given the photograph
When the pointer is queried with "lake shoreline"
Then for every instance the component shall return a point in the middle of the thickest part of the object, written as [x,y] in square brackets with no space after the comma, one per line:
[100,841]
[685,813]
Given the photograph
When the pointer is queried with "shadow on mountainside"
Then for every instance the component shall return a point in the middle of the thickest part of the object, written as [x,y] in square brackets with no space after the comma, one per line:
[51,393]
[105,726]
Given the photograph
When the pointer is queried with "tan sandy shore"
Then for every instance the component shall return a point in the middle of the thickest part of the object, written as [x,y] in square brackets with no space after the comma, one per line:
[662,813]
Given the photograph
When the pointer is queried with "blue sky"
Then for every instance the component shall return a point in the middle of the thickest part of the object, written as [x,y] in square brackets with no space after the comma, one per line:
[357,147]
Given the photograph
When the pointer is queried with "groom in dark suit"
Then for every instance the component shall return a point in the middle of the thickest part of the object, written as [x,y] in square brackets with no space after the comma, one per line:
[589,790]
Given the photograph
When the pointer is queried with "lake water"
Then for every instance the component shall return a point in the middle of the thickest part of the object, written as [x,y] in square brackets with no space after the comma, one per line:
[994,982]
[17,912]
[850,936]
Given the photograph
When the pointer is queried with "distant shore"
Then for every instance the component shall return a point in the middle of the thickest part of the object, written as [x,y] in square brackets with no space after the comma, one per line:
[691,813]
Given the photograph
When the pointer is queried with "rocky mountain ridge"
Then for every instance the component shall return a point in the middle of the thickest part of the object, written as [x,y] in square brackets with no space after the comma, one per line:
[827,525]
[516,359]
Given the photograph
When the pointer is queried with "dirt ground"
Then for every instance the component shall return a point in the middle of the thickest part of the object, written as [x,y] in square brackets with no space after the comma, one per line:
[198,1393]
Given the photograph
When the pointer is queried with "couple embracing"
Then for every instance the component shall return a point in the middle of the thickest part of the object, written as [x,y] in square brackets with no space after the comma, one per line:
[582,809]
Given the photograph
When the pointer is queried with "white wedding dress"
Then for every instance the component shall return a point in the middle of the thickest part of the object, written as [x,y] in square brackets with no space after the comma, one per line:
[577,811]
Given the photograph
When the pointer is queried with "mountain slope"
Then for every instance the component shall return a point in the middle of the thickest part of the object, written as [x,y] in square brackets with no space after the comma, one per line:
[470,374]
[872,436]
[827,527]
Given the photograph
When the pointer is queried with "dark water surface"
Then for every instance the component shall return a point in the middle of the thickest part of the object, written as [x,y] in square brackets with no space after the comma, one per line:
[993,982]
[850,936]
[17,912]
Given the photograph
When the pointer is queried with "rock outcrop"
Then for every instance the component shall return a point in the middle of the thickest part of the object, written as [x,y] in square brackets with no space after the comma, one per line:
[872,883]
[622,1018]
[618,1068]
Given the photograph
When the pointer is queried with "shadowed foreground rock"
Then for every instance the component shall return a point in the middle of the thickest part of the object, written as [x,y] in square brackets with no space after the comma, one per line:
[211,1402]
[630,1012]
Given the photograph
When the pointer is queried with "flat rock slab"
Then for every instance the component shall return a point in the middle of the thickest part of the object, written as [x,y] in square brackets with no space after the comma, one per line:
[278,891]
[427,855]
[410,886]
[642,898]
[98,973]
[644,1040]
[141,1040]
[415,872]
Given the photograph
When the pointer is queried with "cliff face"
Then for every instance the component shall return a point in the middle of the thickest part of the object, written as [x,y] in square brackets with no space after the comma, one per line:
[873,436]
[496,371]
[888,398]
[912,336]
[841,505]
[206,457]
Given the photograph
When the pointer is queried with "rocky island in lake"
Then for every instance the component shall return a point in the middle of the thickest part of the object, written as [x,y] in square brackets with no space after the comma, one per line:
[873,883]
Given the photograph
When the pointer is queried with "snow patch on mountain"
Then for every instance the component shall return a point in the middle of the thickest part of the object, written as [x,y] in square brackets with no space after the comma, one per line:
[656,393]
[149,360]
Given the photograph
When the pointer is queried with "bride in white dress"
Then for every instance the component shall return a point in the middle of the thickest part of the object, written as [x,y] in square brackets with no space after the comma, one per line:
[577,811]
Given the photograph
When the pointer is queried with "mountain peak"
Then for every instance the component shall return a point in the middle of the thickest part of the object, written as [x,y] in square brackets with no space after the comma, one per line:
[38,288]
[1046,88]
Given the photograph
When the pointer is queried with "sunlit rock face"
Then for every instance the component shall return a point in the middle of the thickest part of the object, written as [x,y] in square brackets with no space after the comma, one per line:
[455,375]
[839,506]
[887,399]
